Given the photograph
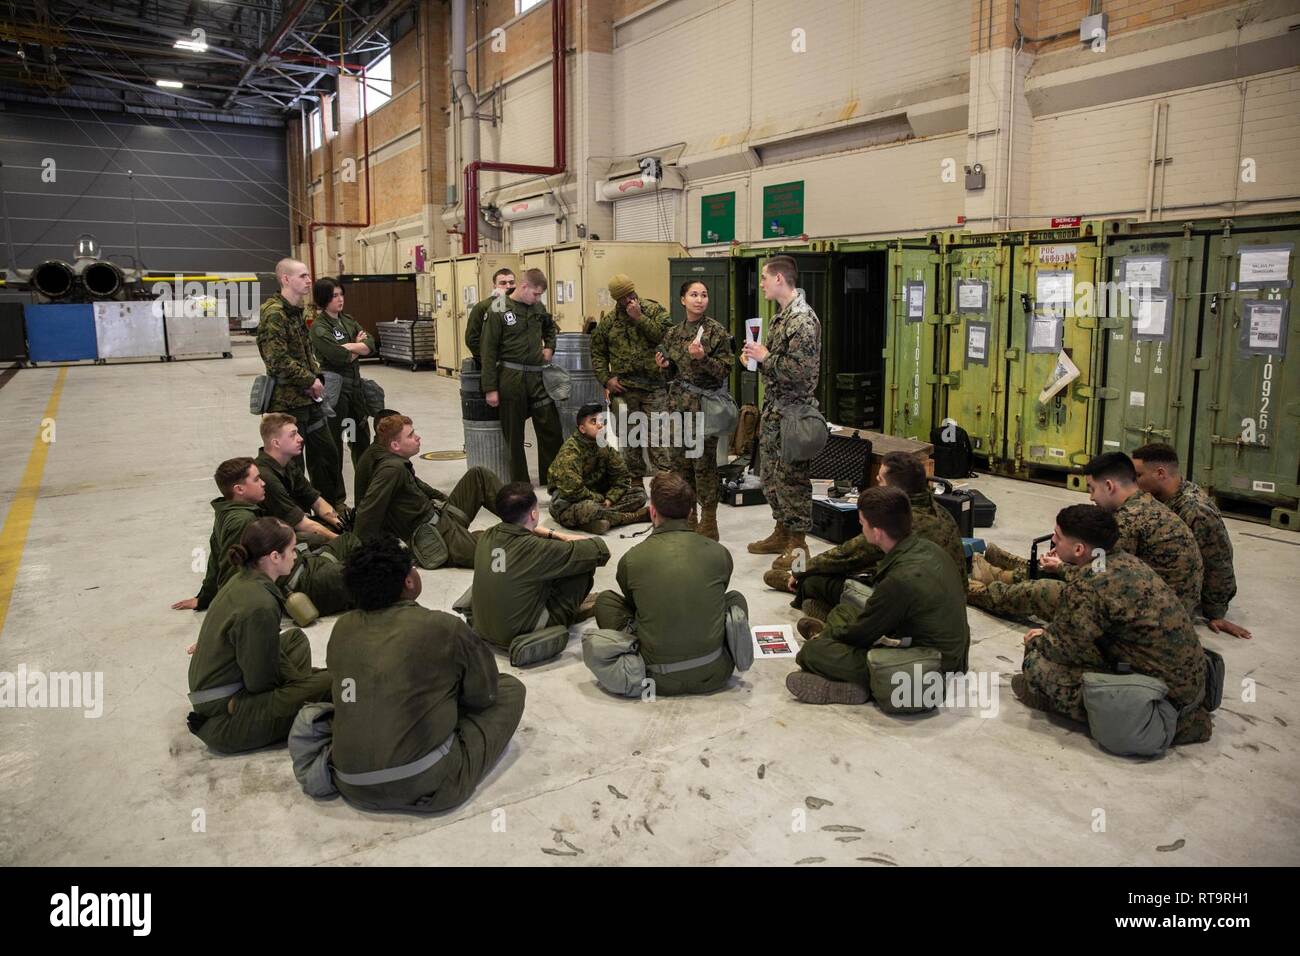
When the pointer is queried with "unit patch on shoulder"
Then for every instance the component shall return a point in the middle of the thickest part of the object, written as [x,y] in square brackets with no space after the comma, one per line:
[510,318]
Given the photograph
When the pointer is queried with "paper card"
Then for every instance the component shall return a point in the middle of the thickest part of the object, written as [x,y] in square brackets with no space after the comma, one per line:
[977,342]
[1265,323]
[1045,333]
[1062,375]
[1147,271]
[1150,318]
[1054,291]
[753,333]
[773,641]
[971,295]
[568,289]
[1264,265]
[1137,399]
[559,293]
[915,292]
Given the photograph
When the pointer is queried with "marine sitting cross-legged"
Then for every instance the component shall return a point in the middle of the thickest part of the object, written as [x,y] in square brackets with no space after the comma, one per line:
[668,628]
[289,495]
[318,574]
[1115,616]
[248,679]
[819,586]
[591,488]
[1158,475]
[530,583]
[420,713]
[1147,530]
[917,600]
[435,526]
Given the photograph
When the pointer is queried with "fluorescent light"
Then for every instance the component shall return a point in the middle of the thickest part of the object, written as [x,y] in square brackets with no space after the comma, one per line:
[170,84]
[195,46]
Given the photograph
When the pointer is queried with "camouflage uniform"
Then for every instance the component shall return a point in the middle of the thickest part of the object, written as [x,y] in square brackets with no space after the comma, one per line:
[285,345]
[709,373]
[328,335]
[624,348]
[1123,614]
[1201,515]
[516,335]
[1147,529]
[824,576]
[789,376]
[583,475]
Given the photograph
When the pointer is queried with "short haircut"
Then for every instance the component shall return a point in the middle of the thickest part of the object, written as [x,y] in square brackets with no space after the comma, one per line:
[375,571]
[515,502]
[261,536]
[1095,527]
[286,267]
[1113,465]
[389,429]
[887,509]
[686,287]
[671,495]
[906,472]
[272,422]
[384,413]
[586,411]
[501,272]
[322,291]
[784,267]
[535,278]
[1158,453]
[231,472]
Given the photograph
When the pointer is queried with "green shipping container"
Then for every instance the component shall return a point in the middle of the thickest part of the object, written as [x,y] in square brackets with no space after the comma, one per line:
[910,353]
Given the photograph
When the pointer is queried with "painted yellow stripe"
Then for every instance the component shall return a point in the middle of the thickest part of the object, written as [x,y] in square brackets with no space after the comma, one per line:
[13,536]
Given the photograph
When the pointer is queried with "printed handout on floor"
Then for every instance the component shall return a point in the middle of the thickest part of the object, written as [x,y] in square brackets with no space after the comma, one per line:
[774,640]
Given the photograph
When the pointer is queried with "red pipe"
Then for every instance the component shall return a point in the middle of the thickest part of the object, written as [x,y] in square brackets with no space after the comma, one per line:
[469,243]
[365,135]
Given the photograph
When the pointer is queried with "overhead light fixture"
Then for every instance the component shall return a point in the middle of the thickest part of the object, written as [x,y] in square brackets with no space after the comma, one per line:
[170,84]
[194,46]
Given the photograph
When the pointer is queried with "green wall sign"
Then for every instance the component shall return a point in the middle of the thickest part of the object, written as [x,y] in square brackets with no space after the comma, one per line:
[783,210]
[717,218]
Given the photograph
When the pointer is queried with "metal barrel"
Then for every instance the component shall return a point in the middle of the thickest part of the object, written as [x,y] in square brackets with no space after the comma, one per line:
[573,352]
[473,406]
[485,446]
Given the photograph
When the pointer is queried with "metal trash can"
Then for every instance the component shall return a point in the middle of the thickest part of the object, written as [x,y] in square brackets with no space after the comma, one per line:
[484,444]
[573,352]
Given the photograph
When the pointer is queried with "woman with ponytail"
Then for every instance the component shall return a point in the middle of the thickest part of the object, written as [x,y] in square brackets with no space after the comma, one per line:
[247,678]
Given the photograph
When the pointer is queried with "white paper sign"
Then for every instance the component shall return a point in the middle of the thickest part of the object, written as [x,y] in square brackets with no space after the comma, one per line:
[1055,290]
[1062,375]
[1147,272]
[568,289]
[1043,335]
[773,640]
[1150,317]
[970,295]
[753,333]
[1265,326]
[1137,399]
[1264,265]
[977,342]
[916,301]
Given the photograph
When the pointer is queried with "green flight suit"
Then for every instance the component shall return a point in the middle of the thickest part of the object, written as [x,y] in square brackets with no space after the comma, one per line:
[229,520]
[1123,614]
[523,582]
[474,328]
[674,599]
[824,576]
[289,495]
[418,679]
[241,642]
[624,348]
[584,475]
[363,469]
[328,333]
[686,375]
[917,593]
[285,346]
[515,336]
[398,503]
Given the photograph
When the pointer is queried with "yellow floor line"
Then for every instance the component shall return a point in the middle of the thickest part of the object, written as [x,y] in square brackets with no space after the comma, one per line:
[13,536]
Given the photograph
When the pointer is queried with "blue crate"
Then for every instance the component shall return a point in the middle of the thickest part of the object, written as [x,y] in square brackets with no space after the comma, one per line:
[61,333]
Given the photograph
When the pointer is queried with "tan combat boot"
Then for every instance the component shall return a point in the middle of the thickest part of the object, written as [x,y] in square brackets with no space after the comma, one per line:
[794,543]
[774,543]
[708,525]
[777,580]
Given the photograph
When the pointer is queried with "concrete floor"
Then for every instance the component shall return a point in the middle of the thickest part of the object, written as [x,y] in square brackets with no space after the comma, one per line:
[729,778]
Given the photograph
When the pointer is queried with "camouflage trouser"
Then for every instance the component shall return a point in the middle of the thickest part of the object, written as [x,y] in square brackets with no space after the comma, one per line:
[700,472]
[1024,599]
[787,485]
[649,402]
[584,512]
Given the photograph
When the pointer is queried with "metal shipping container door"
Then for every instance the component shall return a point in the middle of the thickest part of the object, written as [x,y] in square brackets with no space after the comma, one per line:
[1247,444]
[444,314]
[1047,291]
[911,375]
[715,273]
[565,295]
[973,384]
[1149,343]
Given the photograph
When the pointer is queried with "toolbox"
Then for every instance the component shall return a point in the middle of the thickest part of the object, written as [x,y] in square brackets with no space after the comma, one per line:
[835,519]
[984,510]
[960,503]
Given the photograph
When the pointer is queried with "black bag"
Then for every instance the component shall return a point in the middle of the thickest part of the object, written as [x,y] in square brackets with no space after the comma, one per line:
[959,503]
[952,459]
[985,511]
